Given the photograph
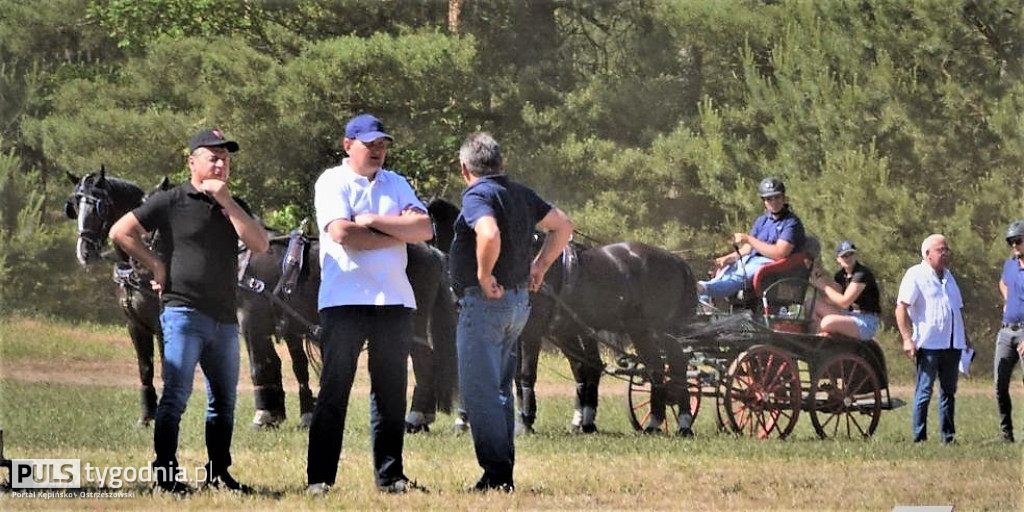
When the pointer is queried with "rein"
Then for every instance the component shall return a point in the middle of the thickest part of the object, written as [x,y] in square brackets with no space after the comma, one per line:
[547,291]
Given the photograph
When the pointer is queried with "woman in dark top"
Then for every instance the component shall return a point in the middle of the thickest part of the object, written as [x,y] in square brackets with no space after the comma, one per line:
[853,304]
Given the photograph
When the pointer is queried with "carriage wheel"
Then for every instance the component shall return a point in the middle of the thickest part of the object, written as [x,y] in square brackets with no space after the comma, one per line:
[762,393]
[638,401]
[847,399]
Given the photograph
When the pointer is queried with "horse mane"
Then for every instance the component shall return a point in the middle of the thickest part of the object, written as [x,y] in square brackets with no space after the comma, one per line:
[443,209]
[124,190]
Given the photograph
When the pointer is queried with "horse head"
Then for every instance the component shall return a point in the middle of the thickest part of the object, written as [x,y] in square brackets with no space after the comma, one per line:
[443,215]
[97,202]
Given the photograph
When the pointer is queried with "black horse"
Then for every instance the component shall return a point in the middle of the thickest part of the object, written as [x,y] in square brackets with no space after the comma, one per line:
[628,288]
[432,353]
[96,203]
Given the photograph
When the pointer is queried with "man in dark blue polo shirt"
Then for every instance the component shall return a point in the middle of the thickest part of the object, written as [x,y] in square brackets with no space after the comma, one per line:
[1010,341]
[775,235]
[201,225]
[492,274]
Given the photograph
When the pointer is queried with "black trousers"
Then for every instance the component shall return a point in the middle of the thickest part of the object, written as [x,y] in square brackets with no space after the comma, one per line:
[387,333]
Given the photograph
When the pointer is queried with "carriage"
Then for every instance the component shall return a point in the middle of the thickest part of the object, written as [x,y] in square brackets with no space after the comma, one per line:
[757,360]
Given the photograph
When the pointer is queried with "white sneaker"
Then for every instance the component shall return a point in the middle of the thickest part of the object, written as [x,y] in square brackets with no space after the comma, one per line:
[461,425]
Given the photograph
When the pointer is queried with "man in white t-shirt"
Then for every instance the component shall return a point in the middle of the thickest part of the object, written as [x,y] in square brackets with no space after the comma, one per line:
[929,313]
[366,215]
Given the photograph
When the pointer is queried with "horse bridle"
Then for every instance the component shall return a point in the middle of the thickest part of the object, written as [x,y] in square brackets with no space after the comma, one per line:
[99,200]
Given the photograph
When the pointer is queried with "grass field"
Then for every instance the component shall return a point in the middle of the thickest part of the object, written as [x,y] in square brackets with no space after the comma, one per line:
[70,391]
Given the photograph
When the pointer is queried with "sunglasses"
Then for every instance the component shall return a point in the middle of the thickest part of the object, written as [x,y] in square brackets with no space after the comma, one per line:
[1014,241]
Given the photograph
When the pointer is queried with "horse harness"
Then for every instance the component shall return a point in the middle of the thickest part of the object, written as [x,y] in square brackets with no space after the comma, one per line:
[126,275]
[291,267]
[100,200]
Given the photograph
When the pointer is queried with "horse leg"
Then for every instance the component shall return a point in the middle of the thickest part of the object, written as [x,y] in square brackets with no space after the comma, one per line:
[256,327]
[424,268]
[143,341]
[526,380]
[300,366]
[444,321]
[654,365]
[424,402]
[143,315]
[588,380]
[678,388]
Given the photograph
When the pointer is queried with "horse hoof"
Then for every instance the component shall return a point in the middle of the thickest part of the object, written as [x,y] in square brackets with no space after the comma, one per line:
[589,428]
[305,420]
[416,429]
[654,425]
[266,419]
[523,428]
[685,432]
[143,422]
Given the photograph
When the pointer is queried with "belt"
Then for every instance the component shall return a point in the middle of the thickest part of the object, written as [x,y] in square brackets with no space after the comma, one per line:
[1014,326]
[461,291]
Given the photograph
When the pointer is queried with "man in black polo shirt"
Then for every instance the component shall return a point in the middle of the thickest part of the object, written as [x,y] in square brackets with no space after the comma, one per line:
[491,270]
[201,225]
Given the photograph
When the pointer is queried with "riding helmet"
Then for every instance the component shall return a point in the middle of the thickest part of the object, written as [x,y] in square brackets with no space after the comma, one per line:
[771,187]
[1016,229]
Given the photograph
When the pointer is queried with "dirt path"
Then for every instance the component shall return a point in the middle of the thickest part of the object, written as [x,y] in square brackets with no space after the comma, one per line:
[124,374]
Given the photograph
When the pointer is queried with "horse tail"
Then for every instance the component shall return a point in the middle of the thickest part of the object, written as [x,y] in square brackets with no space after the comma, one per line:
[443,323]
[688,293]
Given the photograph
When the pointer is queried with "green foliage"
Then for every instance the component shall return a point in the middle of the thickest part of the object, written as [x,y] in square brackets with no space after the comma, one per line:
[645,119]
[140,22]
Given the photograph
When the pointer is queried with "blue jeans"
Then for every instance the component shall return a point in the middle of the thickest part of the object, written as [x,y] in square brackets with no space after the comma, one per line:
[488,348]
[734,277]
[191,337]
[945,365]
[1006,359]
[387,333]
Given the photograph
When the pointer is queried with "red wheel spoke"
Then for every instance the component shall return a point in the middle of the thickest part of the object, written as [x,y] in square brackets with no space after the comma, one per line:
[851,404]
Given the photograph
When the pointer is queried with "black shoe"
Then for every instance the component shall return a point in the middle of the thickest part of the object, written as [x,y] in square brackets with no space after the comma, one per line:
[224,481]
[1007,437]
[486,485]
[173,487]
[401,486]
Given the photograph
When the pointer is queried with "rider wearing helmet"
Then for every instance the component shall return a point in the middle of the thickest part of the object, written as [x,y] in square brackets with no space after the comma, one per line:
[775,235]
[1010,340]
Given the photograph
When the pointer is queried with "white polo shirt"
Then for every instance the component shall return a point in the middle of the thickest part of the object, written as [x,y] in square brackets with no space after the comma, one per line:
[352,277]
[935,307]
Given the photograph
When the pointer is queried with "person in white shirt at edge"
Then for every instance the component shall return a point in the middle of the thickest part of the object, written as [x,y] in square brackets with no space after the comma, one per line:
[929,313]
[367,215]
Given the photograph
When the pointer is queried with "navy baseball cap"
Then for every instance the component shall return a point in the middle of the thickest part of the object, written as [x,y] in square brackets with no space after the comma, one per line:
[366,128]
[212,138]
[845,247]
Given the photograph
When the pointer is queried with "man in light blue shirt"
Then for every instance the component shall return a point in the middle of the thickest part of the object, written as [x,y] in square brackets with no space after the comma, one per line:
[929,313]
